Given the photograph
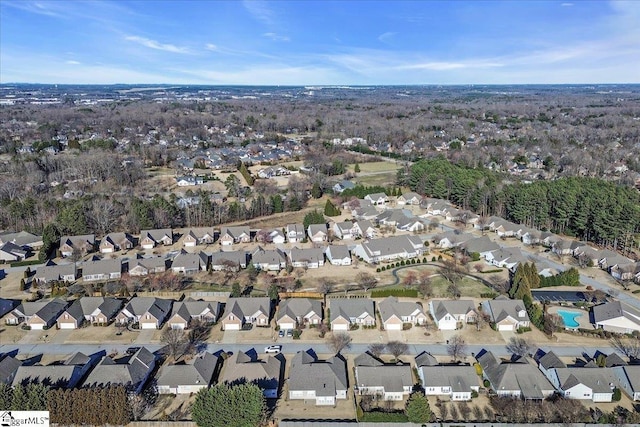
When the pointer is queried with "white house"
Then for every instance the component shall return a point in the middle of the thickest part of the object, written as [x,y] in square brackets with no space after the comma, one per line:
[452,315]
[338,255]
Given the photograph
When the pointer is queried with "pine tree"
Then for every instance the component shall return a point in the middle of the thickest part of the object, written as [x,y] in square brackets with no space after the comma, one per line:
[417,408]
[330,209]
[6,394]
[356,168]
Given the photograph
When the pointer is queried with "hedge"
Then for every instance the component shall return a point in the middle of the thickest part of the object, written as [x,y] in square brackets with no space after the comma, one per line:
[397,292]
[637,291]
[383,417]
[23,263]
[490,295]
[495,270]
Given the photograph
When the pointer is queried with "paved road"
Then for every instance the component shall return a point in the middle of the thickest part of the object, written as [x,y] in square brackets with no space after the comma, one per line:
[289,348]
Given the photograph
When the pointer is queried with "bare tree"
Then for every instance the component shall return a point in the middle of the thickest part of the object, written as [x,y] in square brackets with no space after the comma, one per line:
[453,291]
[465,410]
[477,413]
[488,412]
[552,323]
[175,339]
[410,279]
[376,349]
[629,347]
[518,347]
[424,284]
[397,348]
[454,412]
[366,281]
[450,270]
[339,341]
[325,286]
[457,348]
[139,405]
[444,411]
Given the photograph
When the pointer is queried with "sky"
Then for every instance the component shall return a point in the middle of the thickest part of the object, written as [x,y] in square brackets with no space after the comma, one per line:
[291,42]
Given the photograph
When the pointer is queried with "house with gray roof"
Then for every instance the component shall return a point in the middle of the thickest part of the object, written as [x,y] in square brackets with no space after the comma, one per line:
[198,236]
[148,312]
[629,380]
[409,198]
[338,255]
[451,239]
[37,314]
[187,263]
[237,234]
[6,305]
[145,266]
[131,371]
[346,312]
[616,317]
[344,230]
[189,377]
[450,315]
[426,359]
[56,375]
[241,311]
[306,257]
[83,244]
[149,239]
[295,233]
[610,258]
[480,245]
[97,311]
[365,213]
[114,242]
[187,311]
[101,270]
[507,314]
[508,258]
[293,312]
[228,261]
[625,271]
[249,368]
[455,381]
[364,229]
[389,381]
[322,381]
[520,379]
[23,239]
[377,199]
[595,384]
[269,259]
[8,367]
[10,252]
[548,362]
[390,249]
[317,232]
[395,313]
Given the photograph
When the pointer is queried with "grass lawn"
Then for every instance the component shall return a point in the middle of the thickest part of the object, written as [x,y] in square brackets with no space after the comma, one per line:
[382,179]
[468,287]
[376,167]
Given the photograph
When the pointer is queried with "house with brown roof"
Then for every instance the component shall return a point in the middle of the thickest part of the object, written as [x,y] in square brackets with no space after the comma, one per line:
[231,235]
[83,244]
[149,239]
[198,236]
[241,311]
[114,242]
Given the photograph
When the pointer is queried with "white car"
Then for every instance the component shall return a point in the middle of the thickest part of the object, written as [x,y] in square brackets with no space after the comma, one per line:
[273,349]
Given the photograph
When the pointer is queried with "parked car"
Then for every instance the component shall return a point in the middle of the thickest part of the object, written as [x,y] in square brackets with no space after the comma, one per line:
[273,349]
[289,333]
[281,333]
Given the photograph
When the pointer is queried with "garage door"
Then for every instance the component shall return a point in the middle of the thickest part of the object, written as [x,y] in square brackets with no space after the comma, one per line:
[232,327]
[340,327]
[177,326]
[286,325]
[67,326]
[394,327]
[148,326]
[37,327]
[505,328]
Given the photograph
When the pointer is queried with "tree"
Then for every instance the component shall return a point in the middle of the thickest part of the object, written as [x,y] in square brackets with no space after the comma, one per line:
[424,284]
[518,347]
[450,270]
[397,348]
[330,209]
[453,290]
[232,183]
[629,347]
[325,286]
[339,341]
[139,405]
[376,349]
[366,281]
[356,168]
[552,323]
[465,410]
[175,339]
[316,191]
[236,291]
[313,217]
[457,348]
[410,279]
[241,405]
[417,408]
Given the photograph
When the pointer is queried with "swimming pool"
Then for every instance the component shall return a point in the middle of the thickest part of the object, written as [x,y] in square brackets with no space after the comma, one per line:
[569,318]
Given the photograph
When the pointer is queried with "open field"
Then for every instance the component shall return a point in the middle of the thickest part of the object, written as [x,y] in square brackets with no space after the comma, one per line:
[376,167]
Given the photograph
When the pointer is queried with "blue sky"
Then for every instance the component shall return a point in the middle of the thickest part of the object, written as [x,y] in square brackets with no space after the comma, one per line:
[319,42]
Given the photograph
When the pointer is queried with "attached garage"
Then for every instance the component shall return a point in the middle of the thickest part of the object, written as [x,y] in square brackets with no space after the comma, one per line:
[339,327]
[178,326]
[67,325]
[287,325]
[148,326]
[232,327]
[505,328]
[37,326]
[393,326]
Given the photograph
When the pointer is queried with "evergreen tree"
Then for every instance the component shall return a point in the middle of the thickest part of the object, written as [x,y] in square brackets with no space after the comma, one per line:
[313,217]
[330,209]
[316,191]
[6,396]
[240,405]
[356,168]
[417,408]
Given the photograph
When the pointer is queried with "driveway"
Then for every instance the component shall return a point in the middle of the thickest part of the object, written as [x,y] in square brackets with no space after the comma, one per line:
[507,335]
[230,337]
[145,336]
[62,336]
[33,337]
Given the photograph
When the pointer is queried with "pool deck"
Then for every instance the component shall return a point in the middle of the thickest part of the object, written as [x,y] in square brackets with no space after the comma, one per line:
[583,319]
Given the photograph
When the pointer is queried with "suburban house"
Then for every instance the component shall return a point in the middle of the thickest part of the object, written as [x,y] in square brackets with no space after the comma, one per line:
[275,236]
[625,271]
[81,244]
[148,312]
[231,235]
[435,206]
[451,239]
[295,233]
[508,258]
[56,273]
[23,239]
[190,377]
[411,224]
[187,263]
[322,381]
[480,245]
[338,255]
[595,384]
[247,367]
[409,198]
[114,242]
[186,181]
[529,236]
[97,311]
[629,380]
[365,213]
[390,249]
[520,379]
[395,314]
[103,269]
[343,185]
[317,232]
[294,312]
[508,315]
[37,314]
[146,266]
[6,305]
[241,311]
[57,375]
[610,258]
[10,252]
[548,362]
[149,239]
[269,260]
[389,381]
[129,371]
[394,217]
[198,236]
[455,381]
[306,258]
[8,367]
[377,199]
[346,312]
[345,230]
[364,229]
[617,317]
[230,261]
[189,310]
[450,315]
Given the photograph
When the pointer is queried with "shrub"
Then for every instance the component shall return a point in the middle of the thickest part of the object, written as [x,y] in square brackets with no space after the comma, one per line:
[478,368]
[474,394]
[617,395]
[637,291]
[378,270]
[402,263]
[433,259]
[486,384]
[406,326]
[394,292]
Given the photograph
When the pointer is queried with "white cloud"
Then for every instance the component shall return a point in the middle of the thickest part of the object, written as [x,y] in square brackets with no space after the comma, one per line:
[276,37]
[153,44]
[71,62]
[212,47]
[260,10]
[566,4]
[386,37]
